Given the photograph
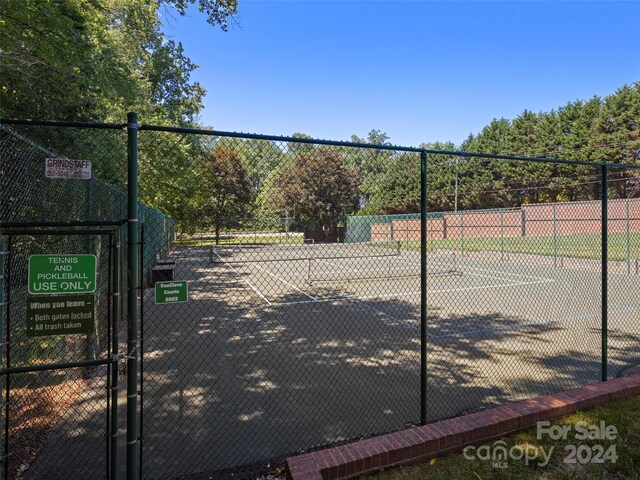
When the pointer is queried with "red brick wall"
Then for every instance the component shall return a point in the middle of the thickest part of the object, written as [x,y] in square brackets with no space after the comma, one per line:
[580,217]
[481,224]
[406,230]
[570,218]
[380,232]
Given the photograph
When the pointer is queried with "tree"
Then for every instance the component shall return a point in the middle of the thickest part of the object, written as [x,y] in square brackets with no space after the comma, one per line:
[617,131]
[218,11]
[223,190]
[370,163]
[398,187]
[79,60]
[95,61]
[260,157]
[317,187]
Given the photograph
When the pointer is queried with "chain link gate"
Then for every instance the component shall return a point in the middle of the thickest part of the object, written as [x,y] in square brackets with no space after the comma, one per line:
[63,401]
[60,349]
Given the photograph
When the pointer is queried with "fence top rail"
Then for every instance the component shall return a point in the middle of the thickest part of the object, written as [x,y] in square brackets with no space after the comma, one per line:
[277,138]
[54,123]
[492,156]
[315,141]
[73,223]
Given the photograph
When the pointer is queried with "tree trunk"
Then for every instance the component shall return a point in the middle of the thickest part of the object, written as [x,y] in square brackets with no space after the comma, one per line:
[286,221]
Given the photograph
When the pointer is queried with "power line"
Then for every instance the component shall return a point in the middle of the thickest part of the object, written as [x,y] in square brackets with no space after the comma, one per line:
[559,149]
[547,187]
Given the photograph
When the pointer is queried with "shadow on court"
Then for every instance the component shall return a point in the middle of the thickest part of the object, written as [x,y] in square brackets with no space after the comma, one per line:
[230,381]
[239,375]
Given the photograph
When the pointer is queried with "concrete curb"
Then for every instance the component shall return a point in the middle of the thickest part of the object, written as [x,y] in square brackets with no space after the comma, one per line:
[421,443]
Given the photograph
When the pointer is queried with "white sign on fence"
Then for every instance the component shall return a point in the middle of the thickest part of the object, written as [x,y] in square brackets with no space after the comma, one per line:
[67,169]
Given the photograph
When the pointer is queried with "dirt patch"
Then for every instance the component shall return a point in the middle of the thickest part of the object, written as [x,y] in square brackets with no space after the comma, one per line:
[33,413]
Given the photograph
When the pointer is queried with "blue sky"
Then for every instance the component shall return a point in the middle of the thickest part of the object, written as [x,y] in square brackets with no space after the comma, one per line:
[419,70]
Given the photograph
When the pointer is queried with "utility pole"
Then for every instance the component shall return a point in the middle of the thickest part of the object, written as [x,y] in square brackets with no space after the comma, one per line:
[455,206]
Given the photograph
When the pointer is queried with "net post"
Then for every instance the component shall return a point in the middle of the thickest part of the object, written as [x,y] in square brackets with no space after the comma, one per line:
[423,287]
[132,296]
[605,255]
[462,233]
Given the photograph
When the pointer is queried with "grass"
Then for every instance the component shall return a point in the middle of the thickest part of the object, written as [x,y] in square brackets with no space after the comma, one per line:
[576,246]
[624,415]
[243,239]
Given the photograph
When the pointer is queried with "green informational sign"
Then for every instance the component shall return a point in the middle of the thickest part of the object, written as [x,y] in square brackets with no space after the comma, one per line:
[172,292]
[62,274]
[60,314]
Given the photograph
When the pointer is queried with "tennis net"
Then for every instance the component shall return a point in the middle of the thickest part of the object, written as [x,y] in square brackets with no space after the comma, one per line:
[327,270]
[301,252]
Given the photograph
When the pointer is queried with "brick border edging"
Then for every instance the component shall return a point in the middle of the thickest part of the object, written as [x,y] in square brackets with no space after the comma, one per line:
[421,443]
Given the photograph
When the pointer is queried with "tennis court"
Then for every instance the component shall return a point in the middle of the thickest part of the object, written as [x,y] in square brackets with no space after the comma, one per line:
[281,345]
[335,330]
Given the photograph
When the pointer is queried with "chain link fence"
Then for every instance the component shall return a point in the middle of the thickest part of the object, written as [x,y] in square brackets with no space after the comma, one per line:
[525,316]
[274,320]
[53,411]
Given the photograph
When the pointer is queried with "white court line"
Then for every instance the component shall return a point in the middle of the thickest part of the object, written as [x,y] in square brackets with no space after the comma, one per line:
[404,294]
[362,304]
[461,259]
[320,300]
[255,289]
[507,279]
[285,282]
[505,273]
[484,287]
[508,274]
[403,269]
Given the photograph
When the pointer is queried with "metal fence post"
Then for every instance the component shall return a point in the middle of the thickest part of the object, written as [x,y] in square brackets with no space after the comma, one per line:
[423,287]
[132,297]
[3,453]
[462,233]
[605,259]
[5,340]
[555,237]
[628,239]
[115,322]
[502,235]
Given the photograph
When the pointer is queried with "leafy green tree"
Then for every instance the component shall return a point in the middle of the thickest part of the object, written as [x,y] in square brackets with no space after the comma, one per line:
[223,193]
[260,157]
[368,162]
[79,60]
[398,188]
[218,12]
[617,131]
[295,148]
[317,187]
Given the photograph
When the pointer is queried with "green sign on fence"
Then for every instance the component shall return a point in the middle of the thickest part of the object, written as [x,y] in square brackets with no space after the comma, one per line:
[62,274]
[60,315]
[172,292]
